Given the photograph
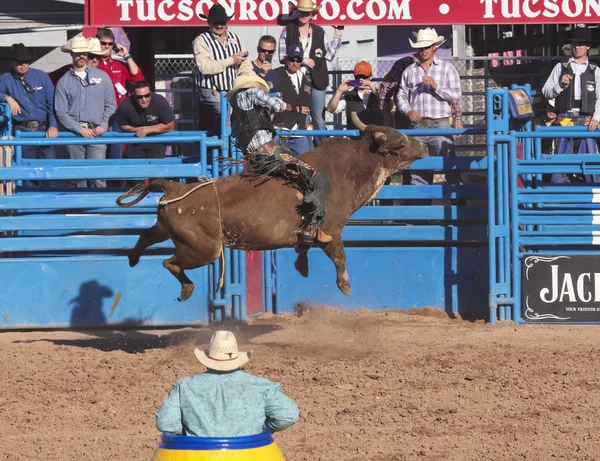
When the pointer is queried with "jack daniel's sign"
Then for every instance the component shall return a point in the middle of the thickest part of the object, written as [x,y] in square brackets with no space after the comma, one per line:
[561,288]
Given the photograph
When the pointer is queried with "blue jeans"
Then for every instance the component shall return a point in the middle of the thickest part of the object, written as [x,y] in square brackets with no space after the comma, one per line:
[299,145]
[114,151]
[437,146]
[211,102]
[36,152]
[317,113]
[566,146]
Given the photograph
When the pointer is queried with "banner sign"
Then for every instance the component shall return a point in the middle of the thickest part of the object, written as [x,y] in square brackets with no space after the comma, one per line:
[177,13]
[561,288]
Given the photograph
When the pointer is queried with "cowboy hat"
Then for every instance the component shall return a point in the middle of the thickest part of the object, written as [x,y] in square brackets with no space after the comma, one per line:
[305,6]
[248,81]
[77,45]
[18,52]
[581,34]
[216,13]
[223,353]
[96,48]
[426,38]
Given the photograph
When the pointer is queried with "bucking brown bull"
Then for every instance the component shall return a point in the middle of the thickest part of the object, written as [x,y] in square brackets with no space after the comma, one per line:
[249,214]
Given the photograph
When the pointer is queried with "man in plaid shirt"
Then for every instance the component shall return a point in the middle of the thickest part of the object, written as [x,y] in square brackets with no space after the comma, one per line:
[428,89]
[254,131]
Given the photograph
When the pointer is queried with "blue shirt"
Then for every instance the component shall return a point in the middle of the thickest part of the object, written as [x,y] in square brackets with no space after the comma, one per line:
[36,105]
[234,404]
[89,100]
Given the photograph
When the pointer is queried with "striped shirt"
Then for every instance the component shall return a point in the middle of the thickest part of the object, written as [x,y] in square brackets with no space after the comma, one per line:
[256,97]
[429,103]
[214,63]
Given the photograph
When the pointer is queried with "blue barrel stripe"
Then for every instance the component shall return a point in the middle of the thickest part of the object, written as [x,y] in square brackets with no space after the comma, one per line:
[182,442]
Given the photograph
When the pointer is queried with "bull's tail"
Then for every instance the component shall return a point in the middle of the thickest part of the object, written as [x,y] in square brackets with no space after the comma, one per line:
[141,190]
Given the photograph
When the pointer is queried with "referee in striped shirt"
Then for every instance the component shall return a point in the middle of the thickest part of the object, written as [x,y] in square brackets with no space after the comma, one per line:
[219,56]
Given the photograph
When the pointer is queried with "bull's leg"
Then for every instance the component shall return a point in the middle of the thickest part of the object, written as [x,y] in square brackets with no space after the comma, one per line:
[148,237]
[173,265]
[335,251]
[301,263]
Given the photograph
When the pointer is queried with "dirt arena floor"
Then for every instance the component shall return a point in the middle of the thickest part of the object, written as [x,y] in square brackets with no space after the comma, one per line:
[371,386]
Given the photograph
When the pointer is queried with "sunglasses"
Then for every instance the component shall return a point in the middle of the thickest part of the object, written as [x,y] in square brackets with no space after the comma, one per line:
[425,47]
[296,60]
[262,50]
[361,77]
[106,43]
[22,63]
[27,87]
[218,24]
[142,96]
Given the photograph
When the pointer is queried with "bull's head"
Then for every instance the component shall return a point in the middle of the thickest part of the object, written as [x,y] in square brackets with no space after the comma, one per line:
[389,142]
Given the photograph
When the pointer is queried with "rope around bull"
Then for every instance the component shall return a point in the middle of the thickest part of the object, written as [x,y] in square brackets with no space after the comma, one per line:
[205,182]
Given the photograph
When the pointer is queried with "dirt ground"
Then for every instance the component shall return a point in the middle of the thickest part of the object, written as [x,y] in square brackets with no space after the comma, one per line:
[371,386]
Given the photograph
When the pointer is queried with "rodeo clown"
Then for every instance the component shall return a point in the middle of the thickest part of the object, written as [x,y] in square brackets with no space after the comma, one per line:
[224,401]
[252,126]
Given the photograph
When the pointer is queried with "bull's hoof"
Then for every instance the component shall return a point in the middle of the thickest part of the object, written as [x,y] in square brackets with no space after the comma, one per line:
[346,289]
[301,264]
[186,292]
[133,259]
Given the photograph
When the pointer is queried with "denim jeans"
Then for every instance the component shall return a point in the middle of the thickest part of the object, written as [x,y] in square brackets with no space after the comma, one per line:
[211,102]
[299,145]
[36,152]
[317,113]
[566,146]
[93,152]
[114,151]
[437,146]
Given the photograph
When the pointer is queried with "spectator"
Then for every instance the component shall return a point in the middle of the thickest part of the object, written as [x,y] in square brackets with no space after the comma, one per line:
[84,102]
[317,51]
[30,95]
[262,65]
[95,55]
[574,105]
[427,90]
[120,74]
[363,99]
[224,401]
[220,57]
[145,113]
[295,90]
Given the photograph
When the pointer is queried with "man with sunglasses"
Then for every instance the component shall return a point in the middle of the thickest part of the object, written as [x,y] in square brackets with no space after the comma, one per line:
[262,64]
[428,89]
[145,113]
[84,102]
[30,95]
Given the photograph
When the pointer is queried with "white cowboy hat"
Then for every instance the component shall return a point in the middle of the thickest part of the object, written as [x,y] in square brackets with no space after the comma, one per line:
[426,37]
[306,6]
[223,353]
[248,81]
[96,48]
[77,45]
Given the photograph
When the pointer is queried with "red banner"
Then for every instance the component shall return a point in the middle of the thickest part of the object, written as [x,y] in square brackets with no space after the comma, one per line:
[177,13]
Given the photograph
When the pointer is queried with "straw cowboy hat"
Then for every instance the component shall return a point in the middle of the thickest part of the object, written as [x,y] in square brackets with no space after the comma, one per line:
[223,353]
[306,6]
[426,37]
[96,49]
[248,81]
[77,45]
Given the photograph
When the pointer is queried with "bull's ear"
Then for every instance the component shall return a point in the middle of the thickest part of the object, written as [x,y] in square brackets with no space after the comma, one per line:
[379,137]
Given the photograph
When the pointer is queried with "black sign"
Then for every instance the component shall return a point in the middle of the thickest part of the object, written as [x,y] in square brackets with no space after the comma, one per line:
[562,288]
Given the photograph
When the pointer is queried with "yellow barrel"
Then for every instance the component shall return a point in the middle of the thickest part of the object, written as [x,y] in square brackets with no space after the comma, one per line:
[259,447]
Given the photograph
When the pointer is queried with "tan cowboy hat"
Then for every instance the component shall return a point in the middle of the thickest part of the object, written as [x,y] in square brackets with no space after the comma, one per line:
[96,48]
[223,353]
[306,6]
[77,45]
[248,81]
[426,37]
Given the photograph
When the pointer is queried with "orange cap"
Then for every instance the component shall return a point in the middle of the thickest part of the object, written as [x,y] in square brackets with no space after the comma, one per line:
[363,68]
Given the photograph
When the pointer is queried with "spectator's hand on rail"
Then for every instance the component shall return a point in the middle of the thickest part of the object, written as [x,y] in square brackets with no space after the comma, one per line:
[565,80]
[99,131]
[237,58]
[429,81]
[51,132]
[458,126]
[87,133]
[142,132]
[593,125]
[15,109]
[309,62]
[414,116]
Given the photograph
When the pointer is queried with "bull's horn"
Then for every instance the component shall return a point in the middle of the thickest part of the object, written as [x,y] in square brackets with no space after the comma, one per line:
[357,123]
[405,137]
[379,137]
